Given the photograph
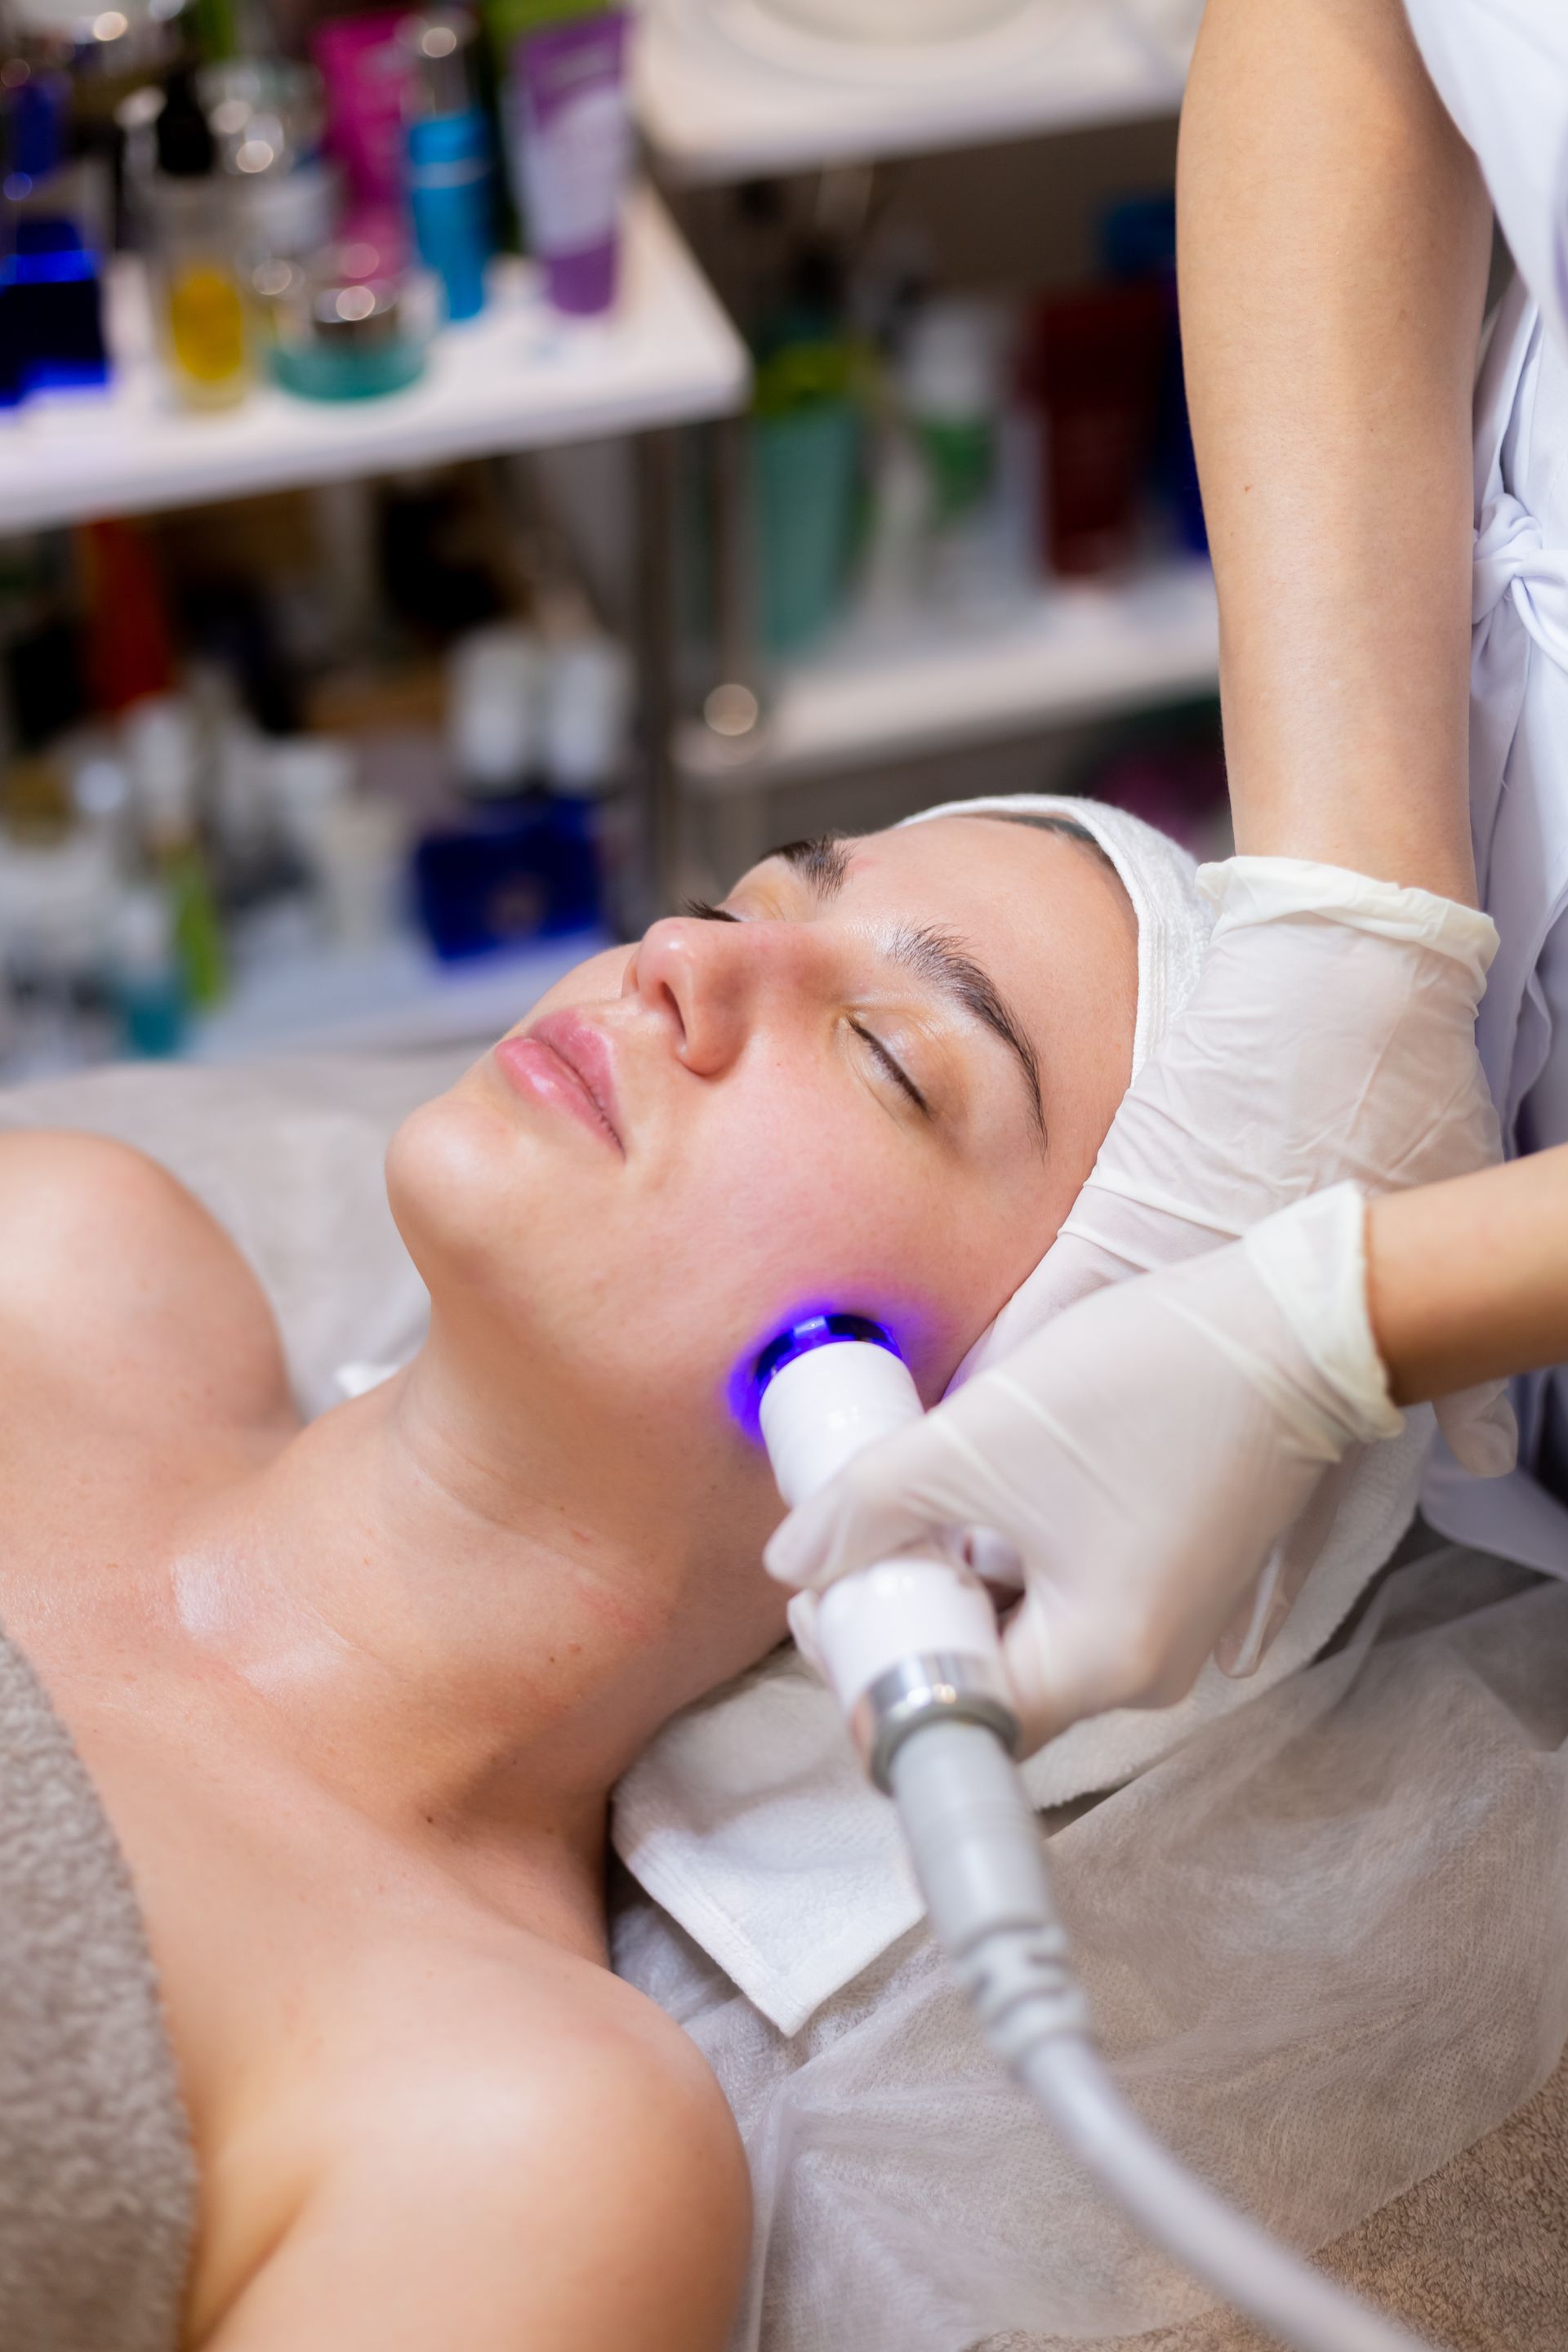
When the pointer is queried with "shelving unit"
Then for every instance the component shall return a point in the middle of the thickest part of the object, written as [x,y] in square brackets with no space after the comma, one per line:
[518,377]
[1063,655]
[732,89]
[727,89]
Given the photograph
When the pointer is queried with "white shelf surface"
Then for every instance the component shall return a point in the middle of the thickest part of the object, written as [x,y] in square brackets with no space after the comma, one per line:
[1063,655]
[518,377]
[393,998]
[727,89]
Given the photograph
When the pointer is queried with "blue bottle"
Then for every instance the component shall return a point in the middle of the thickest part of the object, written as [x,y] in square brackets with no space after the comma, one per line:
[51,303]
[448,159]
[524,869]
[1137,239]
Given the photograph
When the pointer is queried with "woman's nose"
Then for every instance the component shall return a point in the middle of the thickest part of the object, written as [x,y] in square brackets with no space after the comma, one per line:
[707,980]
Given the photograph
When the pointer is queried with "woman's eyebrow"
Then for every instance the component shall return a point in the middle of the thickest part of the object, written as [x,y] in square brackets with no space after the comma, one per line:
[822,862]
[939,960]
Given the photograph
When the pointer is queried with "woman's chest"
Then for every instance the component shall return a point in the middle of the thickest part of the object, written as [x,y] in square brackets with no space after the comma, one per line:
[284,1933]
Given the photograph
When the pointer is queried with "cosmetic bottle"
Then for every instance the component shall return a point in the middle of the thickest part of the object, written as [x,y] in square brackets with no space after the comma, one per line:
[570,143]
[506,22]
[495,707]
[950,390]
[807,433]
[1137,240]
[265,115]
[101,803]
[365,70]
[891,570]
[1096,369]
[225,29]
[586,719]
[144,975]
[162,756]
[55,898]
[361,871]
[191,230]
[537,736]
[337,336]
[308,779]
[527,869]
[127,632]
[56,219]
[10,352]
[446,147]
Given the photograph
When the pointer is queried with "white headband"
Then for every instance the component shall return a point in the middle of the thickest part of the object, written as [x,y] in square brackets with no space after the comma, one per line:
[1160,879]
[1173,924]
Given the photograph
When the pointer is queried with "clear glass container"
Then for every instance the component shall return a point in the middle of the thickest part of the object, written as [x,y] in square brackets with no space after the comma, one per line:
[198,296]
[336,336]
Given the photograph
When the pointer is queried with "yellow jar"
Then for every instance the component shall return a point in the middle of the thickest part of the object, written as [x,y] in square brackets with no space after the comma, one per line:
[206,332]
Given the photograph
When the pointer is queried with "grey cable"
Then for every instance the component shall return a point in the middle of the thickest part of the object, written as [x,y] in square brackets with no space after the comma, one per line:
[979,1856]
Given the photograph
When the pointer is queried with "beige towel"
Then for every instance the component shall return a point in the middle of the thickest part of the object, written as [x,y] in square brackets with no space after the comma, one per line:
[97,2178]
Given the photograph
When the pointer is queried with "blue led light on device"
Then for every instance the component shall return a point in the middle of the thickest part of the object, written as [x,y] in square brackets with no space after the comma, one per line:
[816,1331]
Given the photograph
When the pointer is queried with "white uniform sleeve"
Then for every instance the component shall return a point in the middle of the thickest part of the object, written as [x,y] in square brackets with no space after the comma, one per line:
[1501,69]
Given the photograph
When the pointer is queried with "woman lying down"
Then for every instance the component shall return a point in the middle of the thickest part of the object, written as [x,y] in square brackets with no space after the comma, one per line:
[354,1695]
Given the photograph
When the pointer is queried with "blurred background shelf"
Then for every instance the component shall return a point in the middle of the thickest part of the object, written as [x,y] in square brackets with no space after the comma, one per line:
[1061,656]
[395,998]
[867,493]
[726,90]
[518,377]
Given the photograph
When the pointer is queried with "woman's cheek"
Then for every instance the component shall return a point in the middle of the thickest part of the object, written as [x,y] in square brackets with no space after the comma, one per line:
[598,980]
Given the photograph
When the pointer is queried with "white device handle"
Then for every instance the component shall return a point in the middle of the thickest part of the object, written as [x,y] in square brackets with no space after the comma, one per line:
[913,1635]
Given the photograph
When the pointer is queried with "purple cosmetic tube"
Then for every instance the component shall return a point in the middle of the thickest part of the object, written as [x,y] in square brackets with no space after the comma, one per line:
[572,143]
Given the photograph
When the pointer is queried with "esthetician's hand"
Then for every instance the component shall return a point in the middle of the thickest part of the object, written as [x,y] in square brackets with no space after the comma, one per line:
[1143,1457]
[1331,1034]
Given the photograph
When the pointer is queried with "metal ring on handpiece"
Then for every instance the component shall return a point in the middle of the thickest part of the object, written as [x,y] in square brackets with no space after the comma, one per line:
[957,1689]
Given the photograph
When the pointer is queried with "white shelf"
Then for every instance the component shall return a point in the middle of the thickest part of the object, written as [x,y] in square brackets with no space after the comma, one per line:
[517,377]
[982,673]
[726,90]
[392,998]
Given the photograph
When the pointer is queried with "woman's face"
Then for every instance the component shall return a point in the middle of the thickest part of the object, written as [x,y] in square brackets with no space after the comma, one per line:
[876,1079]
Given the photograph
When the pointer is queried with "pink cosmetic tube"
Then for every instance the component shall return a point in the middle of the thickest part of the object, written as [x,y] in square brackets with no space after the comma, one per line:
[572,144]
[365,69]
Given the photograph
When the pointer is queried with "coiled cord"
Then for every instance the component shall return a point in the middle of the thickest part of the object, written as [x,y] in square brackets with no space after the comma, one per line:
[978,1854]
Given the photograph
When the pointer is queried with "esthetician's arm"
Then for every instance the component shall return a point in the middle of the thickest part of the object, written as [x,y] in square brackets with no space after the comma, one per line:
[1146,1453]
[1335,238]
[1143,1451]
[1468,1281]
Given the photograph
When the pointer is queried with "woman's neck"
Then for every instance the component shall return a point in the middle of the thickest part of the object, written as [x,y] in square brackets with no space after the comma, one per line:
[458,1615]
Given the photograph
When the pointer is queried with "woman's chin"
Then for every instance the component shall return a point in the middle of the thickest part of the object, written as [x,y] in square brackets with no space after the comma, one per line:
[452,1176]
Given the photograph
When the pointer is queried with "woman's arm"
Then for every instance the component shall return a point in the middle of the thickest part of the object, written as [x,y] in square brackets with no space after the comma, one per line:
[1334,243]
[1468,1281]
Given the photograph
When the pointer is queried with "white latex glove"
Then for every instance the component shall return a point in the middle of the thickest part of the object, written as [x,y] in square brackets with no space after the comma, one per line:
[1142,1458]
[1331,1034]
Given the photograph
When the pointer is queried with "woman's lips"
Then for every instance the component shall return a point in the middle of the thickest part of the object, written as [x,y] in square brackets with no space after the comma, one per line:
[565,1063]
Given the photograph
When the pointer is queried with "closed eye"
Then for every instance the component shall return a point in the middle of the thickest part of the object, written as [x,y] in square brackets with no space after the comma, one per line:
[703,911]
[895,1070]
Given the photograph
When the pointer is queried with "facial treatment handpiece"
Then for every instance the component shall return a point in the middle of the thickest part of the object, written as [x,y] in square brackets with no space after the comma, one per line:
[915,1639]
[912,1652]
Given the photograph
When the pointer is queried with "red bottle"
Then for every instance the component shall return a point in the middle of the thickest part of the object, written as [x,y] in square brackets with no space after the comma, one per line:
[128,640]
[1094,366]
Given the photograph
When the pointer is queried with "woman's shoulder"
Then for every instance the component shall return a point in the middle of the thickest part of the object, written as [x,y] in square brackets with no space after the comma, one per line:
[111,1272]
[578,2067]
[547,2160]
[594,2084]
